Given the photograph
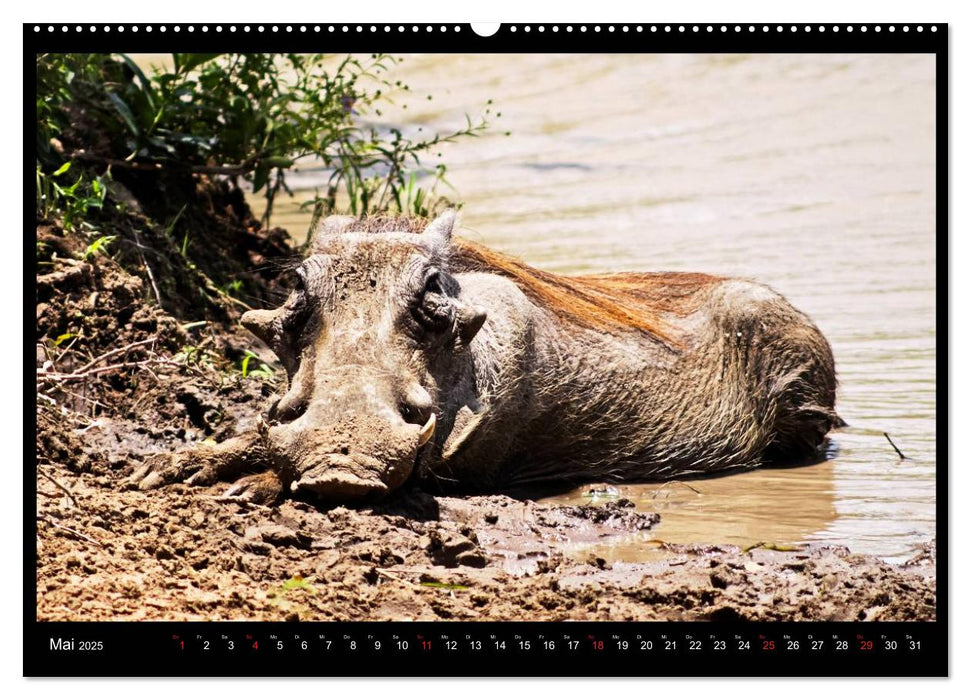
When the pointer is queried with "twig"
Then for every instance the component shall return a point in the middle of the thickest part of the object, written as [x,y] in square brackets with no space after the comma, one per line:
[75,376]
[772,546]
[90,424]
[148,369]
[240,169]
[894,446]
[673,482]
[59,485]
[213,289]
[48,519]
[151,277]
[93,402]
[67,348]
[139,245]
[116,351]
[686,485]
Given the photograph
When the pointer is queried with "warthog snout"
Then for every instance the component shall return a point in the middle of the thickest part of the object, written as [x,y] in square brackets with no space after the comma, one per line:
[356,457]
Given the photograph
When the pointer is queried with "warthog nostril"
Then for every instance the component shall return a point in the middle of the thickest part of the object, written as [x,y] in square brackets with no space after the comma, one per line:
[356,456]
[427,431]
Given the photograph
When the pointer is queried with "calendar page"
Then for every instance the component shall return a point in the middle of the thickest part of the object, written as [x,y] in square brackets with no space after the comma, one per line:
[525,349]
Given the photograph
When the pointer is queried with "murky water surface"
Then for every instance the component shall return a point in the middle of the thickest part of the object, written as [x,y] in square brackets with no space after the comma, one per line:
[814,174]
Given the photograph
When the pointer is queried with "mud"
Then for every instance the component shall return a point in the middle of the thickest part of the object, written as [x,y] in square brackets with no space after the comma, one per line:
[183,553]
[120,378]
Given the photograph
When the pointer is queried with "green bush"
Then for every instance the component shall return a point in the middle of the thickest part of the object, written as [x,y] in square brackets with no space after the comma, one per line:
[245,117]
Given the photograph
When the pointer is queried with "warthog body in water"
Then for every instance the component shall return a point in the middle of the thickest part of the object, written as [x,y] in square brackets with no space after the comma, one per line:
[413,355]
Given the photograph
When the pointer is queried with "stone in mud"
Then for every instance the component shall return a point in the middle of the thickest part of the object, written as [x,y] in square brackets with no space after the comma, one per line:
[273,535]
[453,549]
[723,577]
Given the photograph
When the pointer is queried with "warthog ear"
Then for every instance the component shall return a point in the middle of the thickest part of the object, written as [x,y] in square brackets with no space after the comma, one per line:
[442,226]
[468,321]
[337,224]
[332,226]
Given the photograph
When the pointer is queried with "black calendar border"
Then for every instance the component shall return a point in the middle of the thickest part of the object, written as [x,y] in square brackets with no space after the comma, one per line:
[201,649]
[141,649]
[611,37]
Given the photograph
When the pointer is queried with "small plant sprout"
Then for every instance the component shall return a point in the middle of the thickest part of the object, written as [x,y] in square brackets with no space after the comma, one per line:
[64,337]
[263,371]
[295,582]
[99,245]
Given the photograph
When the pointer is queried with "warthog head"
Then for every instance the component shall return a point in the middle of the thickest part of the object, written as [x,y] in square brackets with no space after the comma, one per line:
[372,334]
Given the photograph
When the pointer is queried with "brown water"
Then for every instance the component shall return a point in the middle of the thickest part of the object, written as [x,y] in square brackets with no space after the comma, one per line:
[814,174]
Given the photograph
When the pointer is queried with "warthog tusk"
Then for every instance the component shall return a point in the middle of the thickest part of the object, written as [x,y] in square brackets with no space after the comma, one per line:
[427,431]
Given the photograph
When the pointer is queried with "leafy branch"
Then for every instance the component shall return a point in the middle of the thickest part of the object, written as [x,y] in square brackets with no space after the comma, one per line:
[251,118]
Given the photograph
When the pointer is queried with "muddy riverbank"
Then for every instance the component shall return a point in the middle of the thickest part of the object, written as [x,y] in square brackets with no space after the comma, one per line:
[184,554]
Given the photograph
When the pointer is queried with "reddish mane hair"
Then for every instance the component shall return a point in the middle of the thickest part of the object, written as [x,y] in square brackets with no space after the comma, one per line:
[611,302]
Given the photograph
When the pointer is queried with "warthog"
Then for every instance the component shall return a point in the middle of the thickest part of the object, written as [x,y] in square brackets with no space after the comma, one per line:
[411,354]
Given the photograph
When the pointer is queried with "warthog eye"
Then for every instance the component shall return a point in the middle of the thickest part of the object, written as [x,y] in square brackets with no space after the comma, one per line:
[296,308]
[298,296]
[433,281]
[434,310]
